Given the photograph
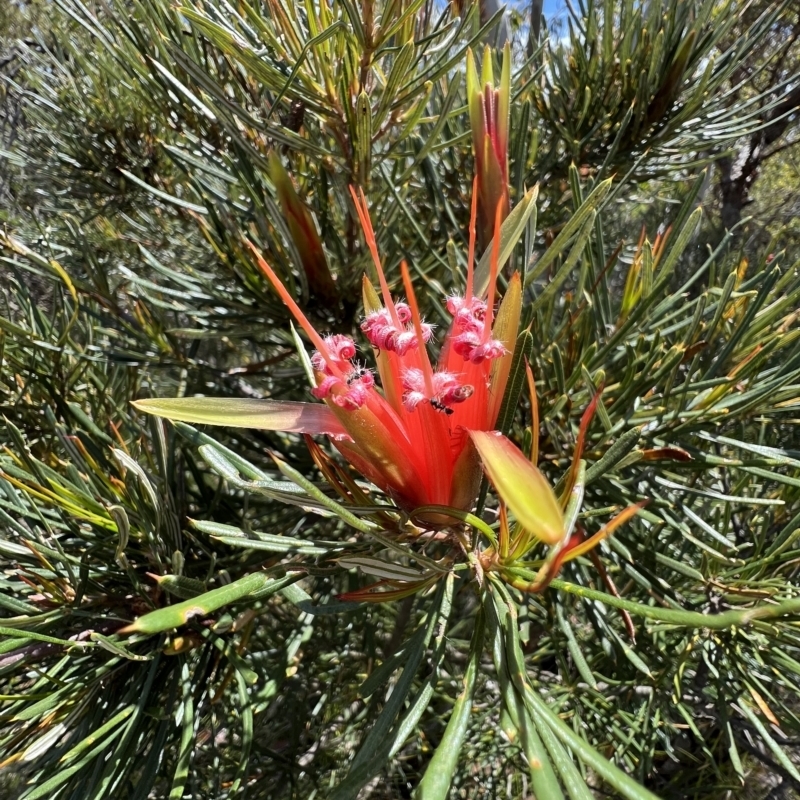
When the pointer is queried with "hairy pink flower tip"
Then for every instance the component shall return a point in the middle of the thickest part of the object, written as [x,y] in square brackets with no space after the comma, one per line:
[492,348]
[340,347]
[447,390]
[414,386]
[469,320]
[329,382]
[467,314]
[350,393]
[412,399]
[359,384]
[380,329]
[465,344]
[455,304]
[318,362]
[403,312]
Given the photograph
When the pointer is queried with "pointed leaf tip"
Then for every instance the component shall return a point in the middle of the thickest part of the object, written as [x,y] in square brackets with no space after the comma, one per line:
[520,486]
[268,415]
[510,234]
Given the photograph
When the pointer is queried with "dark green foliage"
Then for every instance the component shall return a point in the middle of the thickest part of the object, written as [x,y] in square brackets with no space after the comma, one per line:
[140,173]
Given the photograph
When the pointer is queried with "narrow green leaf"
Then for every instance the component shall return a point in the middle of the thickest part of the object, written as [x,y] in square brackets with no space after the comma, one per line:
[689,619]
[775,748]
[496,607]
[510,233]
[186,747]
[614,455]
[574,648]
[168,198]
[515,383]
[380,675]
[263,541]
[576,221]
[374,751]
[18,633]
[610,773]
[435,783]
[565,270]
[269,415]
[175,616]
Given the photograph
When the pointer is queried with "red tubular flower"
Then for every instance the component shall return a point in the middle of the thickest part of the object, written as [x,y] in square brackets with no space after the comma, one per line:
[411,436]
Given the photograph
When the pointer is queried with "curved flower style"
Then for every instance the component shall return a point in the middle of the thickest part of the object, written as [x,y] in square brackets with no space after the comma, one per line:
[411,436]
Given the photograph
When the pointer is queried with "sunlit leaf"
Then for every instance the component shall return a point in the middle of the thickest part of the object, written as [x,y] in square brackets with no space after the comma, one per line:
[521,486]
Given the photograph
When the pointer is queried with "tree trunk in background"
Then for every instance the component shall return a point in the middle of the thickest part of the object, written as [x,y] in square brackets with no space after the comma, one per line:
[734,187]
[536,25]
[500,35]
[739,173]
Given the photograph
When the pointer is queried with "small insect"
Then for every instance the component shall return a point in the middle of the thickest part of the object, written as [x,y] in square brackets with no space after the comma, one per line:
[357,374]
[439,406]
[293,120]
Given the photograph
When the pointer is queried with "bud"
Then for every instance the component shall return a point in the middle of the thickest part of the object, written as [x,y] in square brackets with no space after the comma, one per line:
[489,119]
[303,232]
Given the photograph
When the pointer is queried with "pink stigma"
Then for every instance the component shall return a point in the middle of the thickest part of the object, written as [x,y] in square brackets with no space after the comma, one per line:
[384,334]
[469,320]
[447,390]
[350,391]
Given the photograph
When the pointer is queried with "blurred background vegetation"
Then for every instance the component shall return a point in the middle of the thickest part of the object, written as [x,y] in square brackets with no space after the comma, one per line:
[142,143]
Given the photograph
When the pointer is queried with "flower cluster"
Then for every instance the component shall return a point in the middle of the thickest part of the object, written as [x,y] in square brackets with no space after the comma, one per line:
[472,341]
[410,436]
[423,433]
[346,384]
[387,331]
[445,390]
